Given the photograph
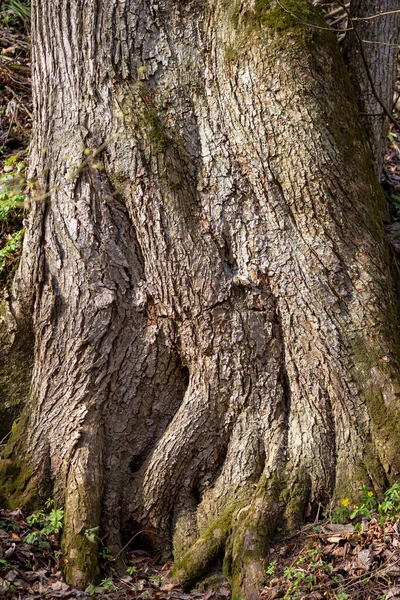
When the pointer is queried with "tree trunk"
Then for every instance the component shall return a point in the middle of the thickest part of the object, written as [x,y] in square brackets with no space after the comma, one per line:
[371,52]
[204,261]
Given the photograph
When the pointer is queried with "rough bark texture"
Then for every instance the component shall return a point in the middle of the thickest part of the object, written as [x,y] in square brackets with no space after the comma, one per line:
[378,26]
[213,312]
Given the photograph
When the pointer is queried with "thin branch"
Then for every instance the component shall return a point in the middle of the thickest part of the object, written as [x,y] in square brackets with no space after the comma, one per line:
[329,28]
[364,59]
[310,24]
[20,102]
[381,43]
[339,20]
[333,12]
[377,15]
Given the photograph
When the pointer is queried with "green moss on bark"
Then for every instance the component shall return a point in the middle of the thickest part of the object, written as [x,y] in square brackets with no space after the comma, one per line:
[80,559]
[295,20]
[251,535]
[16,361]
[296,496]
[19,488]
[197,560]
[376,375]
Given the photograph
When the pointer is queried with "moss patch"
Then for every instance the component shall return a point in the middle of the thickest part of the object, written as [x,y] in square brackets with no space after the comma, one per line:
[156,130]
[377,378]
[81,559]
[17,488]
[16,362]
[297,494]
[197,560]
[290,16]
[251,534]
[15,377]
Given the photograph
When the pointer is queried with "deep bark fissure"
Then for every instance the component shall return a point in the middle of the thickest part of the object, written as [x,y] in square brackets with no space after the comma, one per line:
[212,304]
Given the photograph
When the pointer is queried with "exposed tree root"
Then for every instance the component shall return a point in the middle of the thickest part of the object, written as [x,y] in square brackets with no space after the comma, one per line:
[242,534]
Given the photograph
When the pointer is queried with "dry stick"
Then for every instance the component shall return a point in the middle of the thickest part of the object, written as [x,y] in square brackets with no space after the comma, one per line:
[364,59]
[333,12]
[396,101]
[21,104]
[340,31]
[338,20]
[4,142]
[357,578]
[377,15]
[309,24]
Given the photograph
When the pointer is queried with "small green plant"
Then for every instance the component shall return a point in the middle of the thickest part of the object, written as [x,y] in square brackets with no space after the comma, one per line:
[155,580]
[12,196]
[9,524]
[92,590]
[10,251]
[298,579]
[49,503]
[341,514]
[12,200]
[390,507]
[36,518]
[396,201]
[342,596]
[55,520]
[131,570]
[33,537]
[107,584]
[47,524]
[314,555]
[270,570]
[106,553]
[91,534]
[367,506]
[4,564]
[20,10]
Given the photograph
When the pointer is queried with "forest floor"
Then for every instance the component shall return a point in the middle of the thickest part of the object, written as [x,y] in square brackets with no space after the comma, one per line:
[357,560]
[339,561]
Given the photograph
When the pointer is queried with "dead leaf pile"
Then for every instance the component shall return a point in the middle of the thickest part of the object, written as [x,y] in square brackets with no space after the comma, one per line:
[33,571]
[338,562]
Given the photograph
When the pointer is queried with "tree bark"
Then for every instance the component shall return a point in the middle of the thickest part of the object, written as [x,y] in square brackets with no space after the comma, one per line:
[372,58]
[215,325]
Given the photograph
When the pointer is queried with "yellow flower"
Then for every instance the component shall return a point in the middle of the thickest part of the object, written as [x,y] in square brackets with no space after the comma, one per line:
[356,506]
[345,502]
[370,494]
